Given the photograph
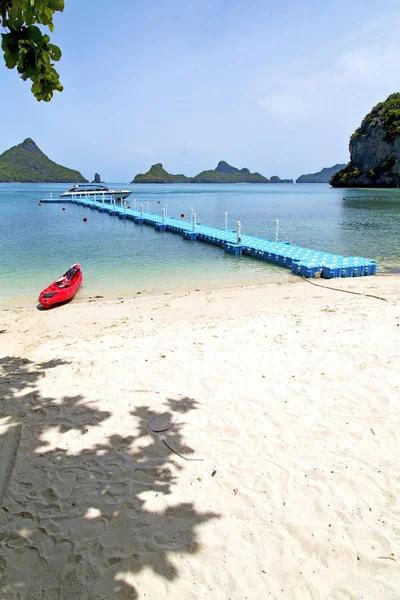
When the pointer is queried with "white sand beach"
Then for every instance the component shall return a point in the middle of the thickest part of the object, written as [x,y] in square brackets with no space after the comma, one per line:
[238,443]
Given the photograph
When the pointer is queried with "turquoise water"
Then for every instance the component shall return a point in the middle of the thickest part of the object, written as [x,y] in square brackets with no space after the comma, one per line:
[38,243]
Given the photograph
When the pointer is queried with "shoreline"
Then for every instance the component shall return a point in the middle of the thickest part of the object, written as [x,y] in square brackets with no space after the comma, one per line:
[158,446]
[181,288]
[110,295]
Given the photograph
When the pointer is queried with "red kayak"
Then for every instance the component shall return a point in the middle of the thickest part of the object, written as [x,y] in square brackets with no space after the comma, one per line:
[64,288]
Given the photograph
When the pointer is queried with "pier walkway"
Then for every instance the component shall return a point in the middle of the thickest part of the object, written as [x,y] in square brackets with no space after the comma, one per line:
[301,261]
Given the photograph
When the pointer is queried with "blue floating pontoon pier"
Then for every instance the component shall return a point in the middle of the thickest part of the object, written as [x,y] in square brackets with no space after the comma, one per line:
[301,261]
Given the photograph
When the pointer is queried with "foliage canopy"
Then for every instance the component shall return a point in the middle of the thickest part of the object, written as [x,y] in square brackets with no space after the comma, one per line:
[27,48]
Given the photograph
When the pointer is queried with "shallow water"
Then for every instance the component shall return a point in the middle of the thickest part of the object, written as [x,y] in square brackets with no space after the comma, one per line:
[38,243]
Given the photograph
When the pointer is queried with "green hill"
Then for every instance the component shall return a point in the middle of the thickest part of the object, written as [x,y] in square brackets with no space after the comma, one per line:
[26,163]
[157,174]
[225,173]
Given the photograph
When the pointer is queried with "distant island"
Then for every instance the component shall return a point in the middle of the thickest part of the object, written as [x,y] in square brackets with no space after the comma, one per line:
[223,173]
[276,179]
[322,176]
[157,174]
[374,149]
[26,163]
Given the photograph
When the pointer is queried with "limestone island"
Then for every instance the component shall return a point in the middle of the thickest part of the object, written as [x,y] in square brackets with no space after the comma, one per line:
[157,174]
[374,149]
[276,179]
[97,178]
[26,163]
[223,173]
[322,176]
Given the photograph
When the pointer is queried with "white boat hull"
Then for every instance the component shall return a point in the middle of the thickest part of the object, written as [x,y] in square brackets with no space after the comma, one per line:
[116,194]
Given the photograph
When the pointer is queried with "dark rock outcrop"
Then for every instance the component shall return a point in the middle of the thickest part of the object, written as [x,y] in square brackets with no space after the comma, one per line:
[26,163]
[97,178]
[322,176]
[374,149]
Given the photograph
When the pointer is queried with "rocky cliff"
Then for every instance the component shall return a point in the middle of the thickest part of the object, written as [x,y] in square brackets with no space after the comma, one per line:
[28,164]
[374,149]
[97,178]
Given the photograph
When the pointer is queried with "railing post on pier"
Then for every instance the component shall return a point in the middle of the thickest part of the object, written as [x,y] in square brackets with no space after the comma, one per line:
[194,221]
[163,215]
[191,214]
[141,210]
[166,210]
[277,230]
[103,199]
[134,204]
[51,195]
[124,207]
[226,221]
[147,206]
[238,232]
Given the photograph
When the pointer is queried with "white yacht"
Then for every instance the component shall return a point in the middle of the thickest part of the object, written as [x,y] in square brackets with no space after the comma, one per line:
[95,190]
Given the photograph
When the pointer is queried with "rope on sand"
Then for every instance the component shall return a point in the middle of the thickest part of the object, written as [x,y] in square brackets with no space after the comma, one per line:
[328,287]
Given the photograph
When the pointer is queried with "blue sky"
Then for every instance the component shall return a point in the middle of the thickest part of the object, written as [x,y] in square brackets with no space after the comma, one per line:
[277,87]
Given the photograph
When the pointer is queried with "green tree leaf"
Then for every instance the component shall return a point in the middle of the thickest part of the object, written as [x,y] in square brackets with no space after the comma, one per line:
[26,48]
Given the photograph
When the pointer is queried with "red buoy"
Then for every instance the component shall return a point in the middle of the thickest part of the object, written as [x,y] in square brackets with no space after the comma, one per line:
[63,209]
[182,215]
[128,206]
[158,202]
[84,219]
[39,204]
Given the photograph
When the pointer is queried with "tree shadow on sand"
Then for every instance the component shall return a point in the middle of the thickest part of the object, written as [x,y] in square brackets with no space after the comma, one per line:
[75,522]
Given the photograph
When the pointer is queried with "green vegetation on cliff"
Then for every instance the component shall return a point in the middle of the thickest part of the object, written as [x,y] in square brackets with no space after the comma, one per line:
[374,149]
[26,163]
[387,115]
[157,174]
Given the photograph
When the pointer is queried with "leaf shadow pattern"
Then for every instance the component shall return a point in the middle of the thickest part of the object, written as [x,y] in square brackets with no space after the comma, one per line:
[73,521]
